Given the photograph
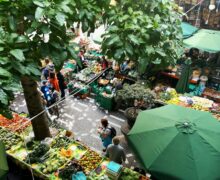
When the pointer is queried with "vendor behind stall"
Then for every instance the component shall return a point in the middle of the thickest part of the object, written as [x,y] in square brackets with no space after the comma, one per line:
[82,59]
[104,63]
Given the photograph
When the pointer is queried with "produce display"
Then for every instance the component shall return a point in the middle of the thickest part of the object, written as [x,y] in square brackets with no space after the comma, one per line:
[37,153]
[71,168]
[198,103]
[128,174]
[90,161]
[15,123]
[77,150]
[61,142]
[100,171]
[8,138]
[52,163]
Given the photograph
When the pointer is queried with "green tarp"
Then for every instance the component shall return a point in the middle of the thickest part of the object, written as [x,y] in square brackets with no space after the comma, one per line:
[3,162]
[205,40]
[188,30]
[174,142]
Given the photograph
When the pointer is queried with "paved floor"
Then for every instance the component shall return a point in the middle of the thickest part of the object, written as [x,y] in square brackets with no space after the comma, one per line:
[83,117]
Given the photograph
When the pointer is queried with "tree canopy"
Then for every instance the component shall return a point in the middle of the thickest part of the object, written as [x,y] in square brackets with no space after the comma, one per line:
[147,32]
[34,29]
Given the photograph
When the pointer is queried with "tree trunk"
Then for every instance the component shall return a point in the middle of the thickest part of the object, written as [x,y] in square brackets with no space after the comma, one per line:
[34,105]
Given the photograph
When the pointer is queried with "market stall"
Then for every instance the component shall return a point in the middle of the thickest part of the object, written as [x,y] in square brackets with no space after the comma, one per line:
[170,96]
[59,157]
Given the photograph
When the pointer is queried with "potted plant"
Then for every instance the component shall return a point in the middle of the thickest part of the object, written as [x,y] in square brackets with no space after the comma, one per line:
[134,98]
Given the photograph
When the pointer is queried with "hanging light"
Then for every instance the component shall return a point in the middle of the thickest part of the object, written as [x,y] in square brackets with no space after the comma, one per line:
[212,5]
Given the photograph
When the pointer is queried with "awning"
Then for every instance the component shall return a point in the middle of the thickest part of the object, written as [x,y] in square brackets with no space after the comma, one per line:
[205,40]
[188,30]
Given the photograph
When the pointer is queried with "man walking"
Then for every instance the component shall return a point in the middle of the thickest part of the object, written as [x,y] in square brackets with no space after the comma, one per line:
[115,152]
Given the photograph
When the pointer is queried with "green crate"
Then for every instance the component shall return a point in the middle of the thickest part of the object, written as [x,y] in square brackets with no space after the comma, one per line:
[105,102]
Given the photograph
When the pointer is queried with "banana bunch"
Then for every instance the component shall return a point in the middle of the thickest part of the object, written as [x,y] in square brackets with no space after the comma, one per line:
[174,100]
[198,107]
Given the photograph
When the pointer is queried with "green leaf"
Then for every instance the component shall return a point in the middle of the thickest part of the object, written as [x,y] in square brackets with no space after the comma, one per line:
[39,3]
[129,49]
[156,61]
[6,112]
[133,39]
[114,39]
[65,8]
[130,10]
[4,73]
[12,23]
[18,54]
[60,17]
[1,49]
[21,39]
[3,97]
[81,14]
[33,70]
[39,13]
[160,52]
[4,60]
[45,29]
[30,30]
[73,54]
[118,54]
[85,26]
[142,66]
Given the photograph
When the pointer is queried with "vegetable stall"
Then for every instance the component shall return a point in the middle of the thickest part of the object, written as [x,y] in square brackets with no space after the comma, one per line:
[58,157]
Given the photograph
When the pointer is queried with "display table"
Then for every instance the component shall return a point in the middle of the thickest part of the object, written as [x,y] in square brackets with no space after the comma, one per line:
[173,76]
[212,94]
[194,102]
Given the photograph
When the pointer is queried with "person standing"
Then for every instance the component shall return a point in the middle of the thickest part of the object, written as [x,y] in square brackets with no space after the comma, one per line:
[62,84]
[115,152]
[105,133]
[54,81]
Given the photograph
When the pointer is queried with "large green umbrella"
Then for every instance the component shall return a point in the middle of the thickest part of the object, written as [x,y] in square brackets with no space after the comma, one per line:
[183,82]
[3,162]
[177,143]
[204,39]
[188,30]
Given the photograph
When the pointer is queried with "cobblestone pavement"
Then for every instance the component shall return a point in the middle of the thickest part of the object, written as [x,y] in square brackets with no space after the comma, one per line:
[83,117]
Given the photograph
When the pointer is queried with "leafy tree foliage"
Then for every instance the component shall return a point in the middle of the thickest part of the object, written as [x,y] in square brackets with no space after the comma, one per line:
[34,29]
[147,32]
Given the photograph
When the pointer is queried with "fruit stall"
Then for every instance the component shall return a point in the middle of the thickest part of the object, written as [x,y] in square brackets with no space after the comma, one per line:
[170,96]
[55,158]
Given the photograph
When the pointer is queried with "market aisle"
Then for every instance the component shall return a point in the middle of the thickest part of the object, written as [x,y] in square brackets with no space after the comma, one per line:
[82,117]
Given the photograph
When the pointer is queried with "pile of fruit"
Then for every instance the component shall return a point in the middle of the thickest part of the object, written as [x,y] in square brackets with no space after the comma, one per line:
[8,138]
[67,172]
[128,174]
[66,152]
[203,102]
[52,163]
[61,142]
[90,161]
[16,124]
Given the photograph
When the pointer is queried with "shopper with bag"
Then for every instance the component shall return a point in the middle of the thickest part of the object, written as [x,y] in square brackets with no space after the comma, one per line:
[106,133]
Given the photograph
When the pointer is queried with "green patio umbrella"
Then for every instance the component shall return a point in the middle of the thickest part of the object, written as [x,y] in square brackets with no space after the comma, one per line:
[3,162]
[188,30]
[177,143]
[204,39]
[183,82]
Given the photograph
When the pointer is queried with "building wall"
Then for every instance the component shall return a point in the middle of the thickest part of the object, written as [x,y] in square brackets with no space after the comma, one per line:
[201,16]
